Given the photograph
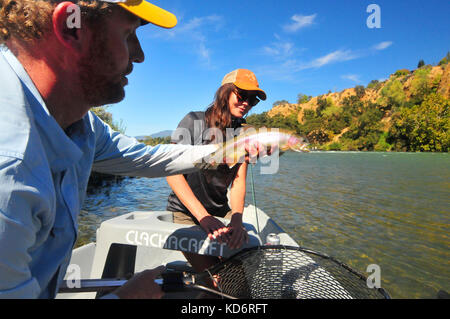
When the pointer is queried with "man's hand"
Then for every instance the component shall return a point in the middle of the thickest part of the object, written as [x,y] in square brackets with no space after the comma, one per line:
[142,286]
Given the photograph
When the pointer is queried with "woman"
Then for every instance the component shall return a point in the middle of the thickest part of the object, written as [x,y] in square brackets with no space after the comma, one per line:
[202,196]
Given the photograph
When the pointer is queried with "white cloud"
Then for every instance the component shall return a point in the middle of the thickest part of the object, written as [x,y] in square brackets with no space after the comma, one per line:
[352,77]
[197,25]
[383,45]
[333,57]
[279,49]
[195,32]
[299,22]
[204,52]
[287,67]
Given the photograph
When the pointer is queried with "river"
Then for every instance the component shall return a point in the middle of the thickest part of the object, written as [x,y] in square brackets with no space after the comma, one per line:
[363,208]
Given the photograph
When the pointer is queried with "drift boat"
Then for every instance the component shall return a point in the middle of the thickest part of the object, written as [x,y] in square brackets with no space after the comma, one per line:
[141,240]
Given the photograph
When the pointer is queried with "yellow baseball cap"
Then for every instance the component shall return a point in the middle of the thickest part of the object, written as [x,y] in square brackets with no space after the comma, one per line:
[148,12]
[245,80]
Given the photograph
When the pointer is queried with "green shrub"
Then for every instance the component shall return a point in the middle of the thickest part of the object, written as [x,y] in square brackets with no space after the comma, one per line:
[392,95]
[424,127]
[445,60]
[401,72]
[360,91]
[303,98]
[335,146]
[382,145]
[375,85]
[419,85]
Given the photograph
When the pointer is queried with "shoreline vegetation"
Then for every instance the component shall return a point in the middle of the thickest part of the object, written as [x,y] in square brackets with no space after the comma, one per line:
[408,112]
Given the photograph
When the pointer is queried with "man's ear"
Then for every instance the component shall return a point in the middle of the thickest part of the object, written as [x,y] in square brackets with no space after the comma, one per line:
[67,24]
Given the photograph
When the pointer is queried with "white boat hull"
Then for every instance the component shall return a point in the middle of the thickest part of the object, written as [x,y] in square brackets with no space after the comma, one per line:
[156,241]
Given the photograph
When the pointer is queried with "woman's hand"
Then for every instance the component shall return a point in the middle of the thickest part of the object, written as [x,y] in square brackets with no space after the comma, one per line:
[215,229]
[255,150]
[239,234]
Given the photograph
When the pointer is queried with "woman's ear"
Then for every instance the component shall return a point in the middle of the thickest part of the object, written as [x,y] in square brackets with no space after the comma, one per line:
[67,24]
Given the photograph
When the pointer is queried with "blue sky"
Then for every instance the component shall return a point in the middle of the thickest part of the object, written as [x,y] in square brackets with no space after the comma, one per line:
[293,46]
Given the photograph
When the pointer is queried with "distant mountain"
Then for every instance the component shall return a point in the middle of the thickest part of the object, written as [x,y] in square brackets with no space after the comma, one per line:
[165,133]
[162,134]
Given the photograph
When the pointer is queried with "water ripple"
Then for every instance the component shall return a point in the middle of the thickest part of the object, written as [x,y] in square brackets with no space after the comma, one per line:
[391,209]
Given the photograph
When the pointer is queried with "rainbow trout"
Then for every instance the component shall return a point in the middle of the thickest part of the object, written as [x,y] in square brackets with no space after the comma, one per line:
[233,150]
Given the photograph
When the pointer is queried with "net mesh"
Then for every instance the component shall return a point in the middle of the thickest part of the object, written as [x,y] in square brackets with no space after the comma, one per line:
[280,272]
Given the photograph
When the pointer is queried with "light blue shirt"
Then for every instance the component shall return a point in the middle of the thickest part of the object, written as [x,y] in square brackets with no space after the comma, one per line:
[44,173]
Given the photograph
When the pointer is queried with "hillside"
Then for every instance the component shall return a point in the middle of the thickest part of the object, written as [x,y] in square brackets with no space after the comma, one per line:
[407,112]
[438,77]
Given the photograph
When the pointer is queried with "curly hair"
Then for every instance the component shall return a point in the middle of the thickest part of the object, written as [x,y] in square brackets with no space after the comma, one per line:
[29,20]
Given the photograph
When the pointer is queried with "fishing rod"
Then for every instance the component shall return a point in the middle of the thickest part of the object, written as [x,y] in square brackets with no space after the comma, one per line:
[170,282]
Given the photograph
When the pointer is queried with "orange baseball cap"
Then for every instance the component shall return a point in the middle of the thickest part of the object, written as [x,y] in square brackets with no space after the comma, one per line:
[148,12]
[245,80]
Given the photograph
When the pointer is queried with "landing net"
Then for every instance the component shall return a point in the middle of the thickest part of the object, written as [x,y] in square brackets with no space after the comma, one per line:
[281,272]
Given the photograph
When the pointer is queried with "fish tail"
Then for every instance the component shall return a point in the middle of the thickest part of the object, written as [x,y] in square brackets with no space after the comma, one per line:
[300,145]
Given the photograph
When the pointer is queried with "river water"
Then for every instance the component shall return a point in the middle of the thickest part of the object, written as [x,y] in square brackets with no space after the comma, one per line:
[388,209]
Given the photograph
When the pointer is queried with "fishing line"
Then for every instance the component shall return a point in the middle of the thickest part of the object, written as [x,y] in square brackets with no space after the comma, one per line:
[254,198]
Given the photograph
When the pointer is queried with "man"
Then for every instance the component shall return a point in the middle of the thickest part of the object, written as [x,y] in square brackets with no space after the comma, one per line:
[51,73]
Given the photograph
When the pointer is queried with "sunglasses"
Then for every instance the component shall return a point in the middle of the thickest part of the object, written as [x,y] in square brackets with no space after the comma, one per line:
[244,96]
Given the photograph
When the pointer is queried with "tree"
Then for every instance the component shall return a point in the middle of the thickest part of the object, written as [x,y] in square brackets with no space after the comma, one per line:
[392,95]
[420,86]
[420,64]
[319,136]
[323,104]
[374,84]
[365,130]
[382,144]
[280,102]
[106,117]
[360,91]
[402,72]
[424,127]
[303,98]
[445,60]
[258,120]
